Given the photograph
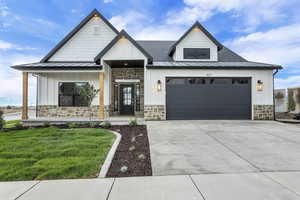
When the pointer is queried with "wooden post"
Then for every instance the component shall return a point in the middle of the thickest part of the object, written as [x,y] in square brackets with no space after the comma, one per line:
[101,96]
[25,96]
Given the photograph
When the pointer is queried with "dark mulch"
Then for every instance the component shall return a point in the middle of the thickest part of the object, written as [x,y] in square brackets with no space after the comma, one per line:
[285,115]
[137,166]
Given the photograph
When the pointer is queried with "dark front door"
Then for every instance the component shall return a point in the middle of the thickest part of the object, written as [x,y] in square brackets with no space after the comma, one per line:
[127,102]
[208,98]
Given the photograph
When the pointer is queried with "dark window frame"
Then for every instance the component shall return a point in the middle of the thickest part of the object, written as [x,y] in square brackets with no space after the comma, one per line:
[203,53]
[74,95]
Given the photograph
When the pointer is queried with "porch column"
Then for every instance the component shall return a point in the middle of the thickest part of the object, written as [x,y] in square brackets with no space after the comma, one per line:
[101,95]
[25,96]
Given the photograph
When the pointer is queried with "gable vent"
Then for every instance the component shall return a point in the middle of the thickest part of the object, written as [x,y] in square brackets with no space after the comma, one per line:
[96,30]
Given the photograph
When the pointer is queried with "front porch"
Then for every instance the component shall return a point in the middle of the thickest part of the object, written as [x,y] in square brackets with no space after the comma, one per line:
[120,97]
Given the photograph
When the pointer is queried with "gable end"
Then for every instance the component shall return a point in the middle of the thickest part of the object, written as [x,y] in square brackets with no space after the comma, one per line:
[75,30]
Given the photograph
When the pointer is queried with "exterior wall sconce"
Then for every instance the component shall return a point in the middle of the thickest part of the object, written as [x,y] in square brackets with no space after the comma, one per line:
[158,86]
[260,86]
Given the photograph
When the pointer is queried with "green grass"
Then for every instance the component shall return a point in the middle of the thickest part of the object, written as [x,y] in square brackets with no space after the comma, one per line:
[52,153]
[10,124]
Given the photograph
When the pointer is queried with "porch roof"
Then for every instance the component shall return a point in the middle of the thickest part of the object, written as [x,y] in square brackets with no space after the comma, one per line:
[59,66]
[212,65]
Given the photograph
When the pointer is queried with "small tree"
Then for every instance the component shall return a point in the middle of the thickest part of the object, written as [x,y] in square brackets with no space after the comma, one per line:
[291,101]
[88,92]
[2,122]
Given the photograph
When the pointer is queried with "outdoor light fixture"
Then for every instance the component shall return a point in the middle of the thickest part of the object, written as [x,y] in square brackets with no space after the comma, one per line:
[259,86]
[158,86]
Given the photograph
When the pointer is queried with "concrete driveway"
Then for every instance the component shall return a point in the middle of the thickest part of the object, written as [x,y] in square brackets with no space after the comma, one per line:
[198,147]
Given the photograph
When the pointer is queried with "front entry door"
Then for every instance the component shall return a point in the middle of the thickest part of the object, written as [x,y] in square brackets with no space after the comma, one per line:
[127,102]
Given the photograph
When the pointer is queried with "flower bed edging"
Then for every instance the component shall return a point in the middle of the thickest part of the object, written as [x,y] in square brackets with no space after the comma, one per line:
[106,165]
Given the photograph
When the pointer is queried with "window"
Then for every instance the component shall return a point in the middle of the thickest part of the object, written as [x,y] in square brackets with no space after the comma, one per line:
[176,81]
[196,53]
[69,95]
[240,81]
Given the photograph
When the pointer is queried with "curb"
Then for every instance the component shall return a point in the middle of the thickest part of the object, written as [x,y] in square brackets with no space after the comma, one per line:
[106,165]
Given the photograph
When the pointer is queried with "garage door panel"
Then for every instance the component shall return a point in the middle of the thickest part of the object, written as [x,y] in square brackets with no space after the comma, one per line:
[209,101]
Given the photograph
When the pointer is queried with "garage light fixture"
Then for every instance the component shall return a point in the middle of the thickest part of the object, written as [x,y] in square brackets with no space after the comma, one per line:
[259,86]
[158,86]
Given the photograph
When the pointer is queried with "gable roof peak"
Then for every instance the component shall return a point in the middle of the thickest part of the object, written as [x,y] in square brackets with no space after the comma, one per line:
[198,25]
[121,34]
[76,29]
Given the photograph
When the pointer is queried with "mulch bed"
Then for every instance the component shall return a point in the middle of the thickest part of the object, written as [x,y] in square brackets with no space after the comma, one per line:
[132,152]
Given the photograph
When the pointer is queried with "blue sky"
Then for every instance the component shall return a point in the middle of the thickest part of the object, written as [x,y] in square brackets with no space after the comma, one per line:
[264,31]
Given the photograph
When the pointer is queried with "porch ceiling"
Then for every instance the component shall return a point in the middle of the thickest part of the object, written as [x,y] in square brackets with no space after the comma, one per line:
[125,63]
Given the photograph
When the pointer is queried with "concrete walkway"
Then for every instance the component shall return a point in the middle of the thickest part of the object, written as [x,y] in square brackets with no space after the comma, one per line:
[248,186]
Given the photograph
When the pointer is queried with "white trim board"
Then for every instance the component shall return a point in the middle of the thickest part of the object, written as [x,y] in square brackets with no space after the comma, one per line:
[127,80]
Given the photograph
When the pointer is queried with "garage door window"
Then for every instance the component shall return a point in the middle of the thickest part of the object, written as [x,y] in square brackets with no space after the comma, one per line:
[240,81]
[176,81]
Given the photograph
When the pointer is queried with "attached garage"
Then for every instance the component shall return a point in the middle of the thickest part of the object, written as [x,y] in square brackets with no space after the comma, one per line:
[208,98]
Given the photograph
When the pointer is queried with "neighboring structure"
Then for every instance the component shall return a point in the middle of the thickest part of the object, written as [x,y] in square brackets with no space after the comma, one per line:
[287,100]
[194,77]
[281,100]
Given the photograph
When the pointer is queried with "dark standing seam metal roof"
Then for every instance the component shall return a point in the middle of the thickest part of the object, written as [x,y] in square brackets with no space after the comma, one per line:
[59,66]
[198,25]
[75,30]
[115,40]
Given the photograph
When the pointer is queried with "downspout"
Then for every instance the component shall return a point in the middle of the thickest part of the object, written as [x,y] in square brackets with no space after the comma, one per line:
[276,71]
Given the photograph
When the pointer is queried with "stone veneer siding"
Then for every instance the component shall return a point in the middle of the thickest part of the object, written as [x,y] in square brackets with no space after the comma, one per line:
[128,73]
[154,112]
[263,112]
[65,112]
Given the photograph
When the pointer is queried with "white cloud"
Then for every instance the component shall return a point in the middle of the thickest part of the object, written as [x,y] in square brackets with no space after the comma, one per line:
[131,18]
[11,80]
[289,82]
[107,1]
[279,46]
[162,32]
[5,45]
[253,12]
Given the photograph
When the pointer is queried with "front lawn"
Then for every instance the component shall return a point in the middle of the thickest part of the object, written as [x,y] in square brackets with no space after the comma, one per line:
[52,153]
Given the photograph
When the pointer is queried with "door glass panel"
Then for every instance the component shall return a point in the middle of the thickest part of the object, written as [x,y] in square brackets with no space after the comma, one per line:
[127,96]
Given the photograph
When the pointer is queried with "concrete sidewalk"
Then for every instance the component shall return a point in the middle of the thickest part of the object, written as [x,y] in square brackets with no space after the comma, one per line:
[248,186]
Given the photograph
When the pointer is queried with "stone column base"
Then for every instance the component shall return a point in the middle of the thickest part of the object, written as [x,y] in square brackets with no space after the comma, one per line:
[263,112]
[154,112]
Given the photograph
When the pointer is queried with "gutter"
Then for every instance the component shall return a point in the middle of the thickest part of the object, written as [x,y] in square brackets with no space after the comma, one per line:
[276,71]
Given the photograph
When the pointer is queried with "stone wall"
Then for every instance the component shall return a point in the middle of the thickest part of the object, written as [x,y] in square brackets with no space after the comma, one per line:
[154,112]
[128,73]
[263,112]
[68,112]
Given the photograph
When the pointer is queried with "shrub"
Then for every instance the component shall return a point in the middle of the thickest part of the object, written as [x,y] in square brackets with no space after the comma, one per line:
[72,125]
[2,122]
[106,124]
[94,124]
[19,125]
[133,122]
[46,124]
[8,107]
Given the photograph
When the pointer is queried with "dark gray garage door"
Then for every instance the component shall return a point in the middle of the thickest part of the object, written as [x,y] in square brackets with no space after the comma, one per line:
[208,98]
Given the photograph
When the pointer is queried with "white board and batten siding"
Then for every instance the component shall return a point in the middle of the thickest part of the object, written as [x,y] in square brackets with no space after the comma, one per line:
[48,89]
[196,39]
[124,50]
[87,43]
[154,97]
